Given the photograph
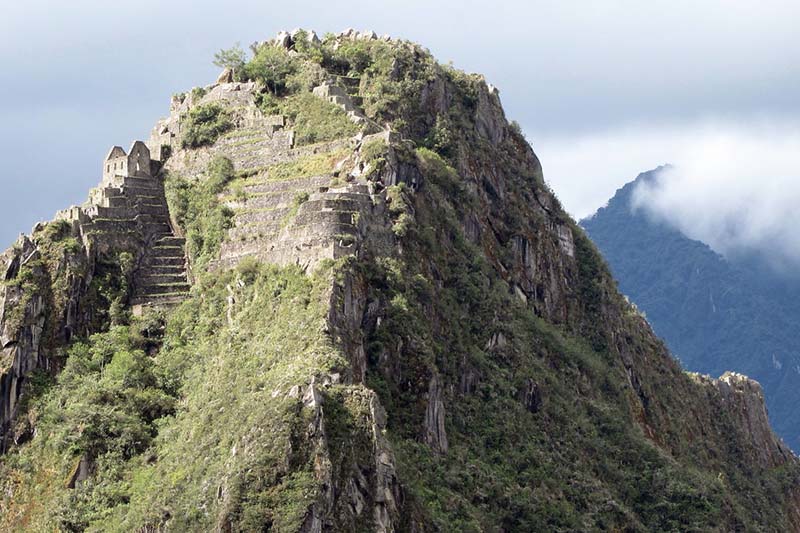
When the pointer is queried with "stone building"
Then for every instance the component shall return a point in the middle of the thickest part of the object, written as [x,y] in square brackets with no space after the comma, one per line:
[135,163]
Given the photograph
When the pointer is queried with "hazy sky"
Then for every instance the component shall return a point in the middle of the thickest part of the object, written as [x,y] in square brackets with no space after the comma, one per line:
[603,89]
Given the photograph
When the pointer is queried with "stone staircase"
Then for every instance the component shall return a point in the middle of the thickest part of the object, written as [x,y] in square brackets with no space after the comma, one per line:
[275,228]
[351,87]
[161,278]
[138,205]
[129,213]
[343,92]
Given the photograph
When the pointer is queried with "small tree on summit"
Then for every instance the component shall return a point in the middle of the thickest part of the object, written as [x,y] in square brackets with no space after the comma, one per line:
[271,65]
[232,58]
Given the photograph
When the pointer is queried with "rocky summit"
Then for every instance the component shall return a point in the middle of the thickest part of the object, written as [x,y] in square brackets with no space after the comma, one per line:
[333,292]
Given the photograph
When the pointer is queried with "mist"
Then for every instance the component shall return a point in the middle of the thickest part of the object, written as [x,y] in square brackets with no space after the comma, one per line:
[735,187]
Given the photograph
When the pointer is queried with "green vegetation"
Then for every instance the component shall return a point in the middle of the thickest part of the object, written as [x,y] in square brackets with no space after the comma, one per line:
[243,407]
[307,166]
[272,66]
[219,365]
[315,120]
[576,458]
[204,124]
[682,285]
[53,274]
[196,208]
[232,58]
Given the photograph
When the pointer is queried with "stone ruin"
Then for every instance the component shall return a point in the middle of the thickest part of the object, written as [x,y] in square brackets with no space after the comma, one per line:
[119,164]
[128,210]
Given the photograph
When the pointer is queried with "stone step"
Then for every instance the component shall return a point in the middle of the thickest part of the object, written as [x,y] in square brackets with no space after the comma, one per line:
[142,182]
[350,188]
[111,225]
[323,203]
[155,226]
[166,261]
[268,200]
[304,231]
[312,183]
[156,210]
[163,270]
[307,217]
[255,231]
[170,240]
[154,218]
[137,191]
[166,249]
[158,300]
[118,213]
[147,201]
[243,218]
[117,201]
[150,279]
[162,288]
[163,259]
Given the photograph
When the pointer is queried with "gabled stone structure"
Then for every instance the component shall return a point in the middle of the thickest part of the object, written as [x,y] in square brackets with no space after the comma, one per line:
[119,164]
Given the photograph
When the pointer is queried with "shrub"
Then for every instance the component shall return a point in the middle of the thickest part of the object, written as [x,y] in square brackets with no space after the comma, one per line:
[271,65]
[219,172]
[441,138]
[197,210]
[373,149]
[232,58]
[300,198]
[316,120]
[308,49]
[204,124]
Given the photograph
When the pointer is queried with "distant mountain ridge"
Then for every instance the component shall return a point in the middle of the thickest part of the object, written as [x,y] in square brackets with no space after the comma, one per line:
[713,313]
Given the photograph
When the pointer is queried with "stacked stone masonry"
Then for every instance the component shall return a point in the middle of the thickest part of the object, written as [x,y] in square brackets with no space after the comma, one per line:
[131,200]
[296,220]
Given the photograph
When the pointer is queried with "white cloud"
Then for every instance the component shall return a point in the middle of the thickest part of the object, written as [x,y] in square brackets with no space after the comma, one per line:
[735,186]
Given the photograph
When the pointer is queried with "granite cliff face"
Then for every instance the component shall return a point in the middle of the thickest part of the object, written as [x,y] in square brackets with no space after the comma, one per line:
[392,326]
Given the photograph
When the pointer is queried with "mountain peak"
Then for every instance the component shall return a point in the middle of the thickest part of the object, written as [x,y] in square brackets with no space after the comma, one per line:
[392,325]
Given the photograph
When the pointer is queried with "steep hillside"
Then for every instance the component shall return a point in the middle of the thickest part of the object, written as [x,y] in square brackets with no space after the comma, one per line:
[392,326]
[714,314]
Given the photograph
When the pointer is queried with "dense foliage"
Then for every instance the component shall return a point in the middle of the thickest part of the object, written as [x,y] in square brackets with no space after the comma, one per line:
[513,466]
[114,407]
[204,124]
[196,208]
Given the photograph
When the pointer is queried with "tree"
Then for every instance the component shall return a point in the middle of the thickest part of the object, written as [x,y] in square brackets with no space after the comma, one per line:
[232,58]
[271,65]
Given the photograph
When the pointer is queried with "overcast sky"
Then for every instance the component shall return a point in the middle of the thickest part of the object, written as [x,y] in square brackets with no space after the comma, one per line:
[603,89]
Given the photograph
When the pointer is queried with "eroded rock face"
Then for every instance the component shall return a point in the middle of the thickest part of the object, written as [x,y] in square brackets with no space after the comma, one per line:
[22,322]
[47,297]
[743,399]
[354,489]
[435,433]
